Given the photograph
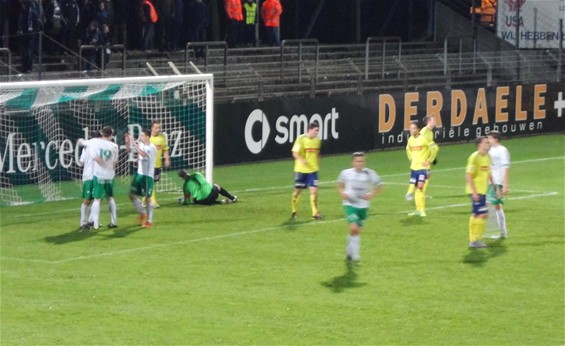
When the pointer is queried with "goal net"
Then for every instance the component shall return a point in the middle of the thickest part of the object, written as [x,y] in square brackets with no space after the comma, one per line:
[41,123]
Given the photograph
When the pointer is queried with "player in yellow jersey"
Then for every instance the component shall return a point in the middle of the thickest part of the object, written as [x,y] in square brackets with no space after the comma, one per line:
[421,153]
[477,178]
[306,154]
[428,132]
[160,142]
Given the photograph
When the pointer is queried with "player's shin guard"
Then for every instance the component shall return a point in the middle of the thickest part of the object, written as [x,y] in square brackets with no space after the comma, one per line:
[138,206]
[356,247]
[501,220]
[149,209]
[420,199]
[480,226]
[113,213]
[472,233]
[411,189]
[95,213]
[295,200]
[83,214]
[349,248]
[154,197]
[314,205]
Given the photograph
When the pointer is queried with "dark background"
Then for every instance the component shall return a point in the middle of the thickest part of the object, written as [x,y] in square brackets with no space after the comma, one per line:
[336,22]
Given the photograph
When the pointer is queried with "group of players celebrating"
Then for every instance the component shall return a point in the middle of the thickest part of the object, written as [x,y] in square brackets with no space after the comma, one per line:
[99,158]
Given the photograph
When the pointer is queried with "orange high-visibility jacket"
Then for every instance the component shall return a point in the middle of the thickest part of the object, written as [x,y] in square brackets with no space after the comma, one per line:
[234,10]
[152,12]
[271,12]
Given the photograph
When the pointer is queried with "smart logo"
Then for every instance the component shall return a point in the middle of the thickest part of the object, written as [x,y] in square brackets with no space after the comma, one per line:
[287,129]
[257,116]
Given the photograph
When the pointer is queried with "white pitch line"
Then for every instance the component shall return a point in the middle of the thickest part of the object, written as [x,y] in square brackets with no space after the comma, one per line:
[462,187]
[236,234]
[274,188]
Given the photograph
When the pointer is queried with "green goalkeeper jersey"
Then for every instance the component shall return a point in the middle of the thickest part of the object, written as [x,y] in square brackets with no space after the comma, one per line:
[197,187]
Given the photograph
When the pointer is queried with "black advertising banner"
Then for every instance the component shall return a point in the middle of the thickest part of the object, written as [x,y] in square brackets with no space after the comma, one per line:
[257,131]
[464,114]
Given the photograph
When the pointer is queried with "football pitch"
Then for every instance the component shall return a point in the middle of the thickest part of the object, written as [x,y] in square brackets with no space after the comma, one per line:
[245,273]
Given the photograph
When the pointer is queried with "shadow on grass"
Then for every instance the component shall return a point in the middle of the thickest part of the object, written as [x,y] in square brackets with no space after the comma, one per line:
[412,221]
[122,232]
[69,237]
[478,257]
[78,235]
[348,280]
[292,225]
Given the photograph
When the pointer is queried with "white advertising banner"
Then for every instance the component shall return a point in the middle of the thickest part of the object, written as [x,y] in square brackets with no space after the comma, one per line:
[537,20]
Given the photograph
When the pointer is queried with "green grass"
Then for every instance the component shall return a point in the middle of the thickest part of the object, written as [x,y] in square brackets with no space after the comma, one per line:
[244,274]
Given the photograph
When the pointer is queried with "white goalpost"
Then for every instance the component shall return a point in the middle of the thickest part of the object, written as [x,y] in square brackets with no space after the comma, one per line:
[41,122]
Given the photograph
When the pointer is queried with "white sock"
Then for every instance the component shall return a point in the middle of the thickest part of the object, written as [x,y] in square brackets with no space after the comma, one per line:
[356,247]
[150,208]
[138,206]
[83,214]
[349,249]
[113,213]
[501,219]
[95,213]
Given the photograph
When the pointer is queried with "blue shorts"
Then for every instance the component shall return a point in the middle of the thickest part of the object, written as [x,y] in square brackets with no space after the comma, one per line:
[304,180]
[418,176]
[480,207]
[157,174]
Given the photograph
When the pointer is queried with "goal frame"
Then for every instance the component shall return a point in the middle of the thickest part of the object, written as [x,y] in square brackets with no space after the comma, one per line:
[208,79]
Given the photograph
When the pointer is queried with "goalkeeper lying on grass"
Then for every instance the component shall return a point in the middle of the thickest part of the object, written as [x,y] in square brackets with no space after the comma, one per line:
[197,190]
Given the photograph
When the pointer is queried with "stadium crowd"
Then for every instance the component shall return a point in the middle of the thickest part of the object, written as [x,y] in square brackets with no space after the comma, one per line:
[164,25]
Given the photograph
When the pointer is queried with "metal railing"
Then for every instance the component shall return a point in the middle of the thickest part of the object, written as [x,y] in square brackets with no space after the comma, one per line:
[87,47]
[359,76]
[8,53]
[207,45]
[300,43]
[383,40]
[459,50]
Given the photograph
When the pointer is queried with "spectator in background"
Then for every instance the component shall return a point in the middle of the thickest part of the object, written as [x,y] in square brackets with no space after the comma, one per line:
[165,26]
[250,8]
[88,12]
[234,13]
[71,17]
[104,51]
[198,21]
[92,36]
[177,39]
[149,19]
[53,26]
[271,11]
[29,25]
[4,20]
[102,14]
[120,25]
